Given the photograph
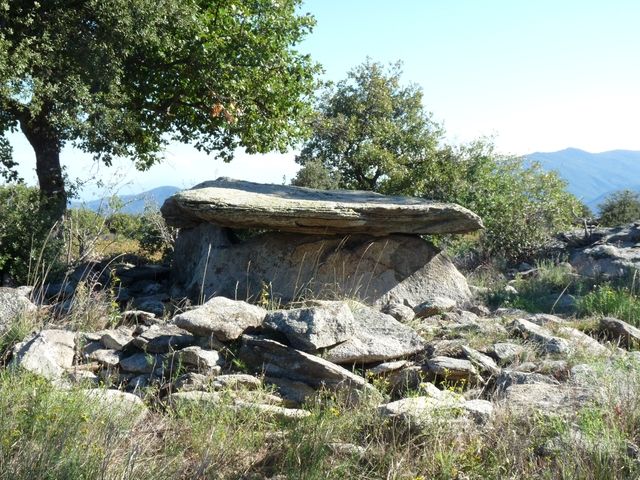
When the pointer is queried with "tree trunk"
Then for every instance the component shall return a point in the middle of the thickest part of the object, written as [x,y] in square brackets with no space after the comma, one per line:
[46,145]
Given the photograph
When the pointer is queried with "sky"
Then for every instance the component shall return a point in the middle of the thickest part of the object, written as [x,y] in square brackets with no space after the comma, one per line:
[536,75]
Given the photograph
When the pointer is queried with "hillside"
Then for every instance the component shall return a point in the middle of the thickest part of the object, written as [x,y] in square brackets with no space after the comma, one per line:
[593,176]
[132,203]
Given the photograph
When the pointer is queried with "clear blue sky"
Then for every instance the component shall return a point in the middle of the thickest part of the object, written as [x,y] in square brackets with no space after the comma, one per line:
[539,75]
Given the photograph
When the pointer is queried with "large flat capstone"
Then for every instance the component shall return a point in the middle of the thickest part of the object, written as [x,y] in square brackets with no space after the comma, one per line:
[240,204]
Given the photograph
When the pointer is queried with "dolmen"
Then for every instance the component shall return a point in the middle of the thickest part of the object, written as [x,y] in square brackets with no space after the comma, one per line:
[257,242]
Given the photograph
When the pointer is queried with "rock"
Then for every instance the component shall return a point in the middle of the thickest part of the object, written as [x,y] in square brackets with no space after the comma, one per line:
[294,392]
[141,363]
[480,410]
[408,378]
[452,369]
[375,270]
[445,348]
[434,306]
[83,377]
[510,290]
[163,339]
[117,339]
[400,312]
[377,337]
[346,449]
[620,331]
[154,304]
[308,329]
[506,352]
[280,361]
[122,402]
[544,319]
[136,317]
[544,339]
[387,367]
[483,362]
[13,303]
[48,353]
[194,398]
[273,411]
[480,310]
[106,356]
[241,204]
[191,381]
[200,358]
[139,382]
[224,318]
[416,412]
[545,397]
[509,377]
[236,381]
[584,342]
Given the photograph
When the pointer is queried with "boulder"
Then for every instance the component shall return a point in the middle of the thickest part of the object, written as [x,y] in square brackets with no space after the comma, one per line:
[200,358]
[452,369]
[141,363]
[545,398]
[117,339]
[377,337]
[322,325]
[13,302]
[241,204]
[542,337]
[286,267]
[620,331]
[506,352]
[221,317]
[48,353]
[163,339]
[277,360]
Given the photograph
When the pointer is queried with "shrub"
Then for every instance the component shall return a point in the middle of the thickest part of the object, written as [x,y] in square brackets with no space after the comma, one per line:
[29,249]
[619,208]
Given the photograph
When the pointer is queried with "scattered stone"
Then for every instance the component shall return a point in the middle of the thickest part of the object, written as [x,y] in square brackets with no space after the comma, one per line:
[525,367]
[544,397]
[152,303]
[106,356]
[241,204]
[400,312]
[346,449]
[122,402]
[293,392]
[136,317]
[278,360]
[484,363]
[191,381]
[224,318]
[445,348]
[206,360]
[510,377]
[582,341]
[416,412]
[138,382]
[409,378]
[543,319]
[480,410]
[195,398]
[13,303]
[274,411]
[435,306]
[48,353]
[480,310]
[308,329]
[510,290]
[387,367]
[544,339]
[453,369]
[506,352]
[141,363]
[163,339]
[82,377]
[627,335]
[117,339]
[236,381]
[377,337]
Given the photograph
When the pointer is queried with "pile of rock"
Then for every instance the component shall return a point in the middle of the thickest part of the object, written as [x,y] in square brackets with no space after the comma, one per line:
[318,244]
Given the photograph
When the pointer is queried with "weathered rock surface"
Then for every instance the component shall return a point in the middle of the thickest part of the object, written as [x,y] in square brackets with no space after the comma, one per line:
[141,363]
[48,353]
[506,352]
[581,340]
[200,358]
[224,318]
[452,369]
[241,204]
[483,362]
[117,339]
[620,331]
[163,339]
[545,397]
[400,269]
[322,325]
[13,302]
[544,339]
[122,402]
[278,360]
[377,337]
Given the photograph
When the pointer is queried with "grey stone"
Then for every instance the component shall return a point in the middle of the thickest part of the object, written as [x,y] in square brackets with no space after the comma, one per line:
[163,339]
[135,317]
[241,204]
[584,342]
[141,363]
[122,402]
[117,339]
[154,304]
[224,318]
[480,410]
[13,303]
[236,381]
[201,358]
[273,411]
[620,331]
[295,392]
[195,398]
[191,381]
[308,329]
[48,353]
[387,367]
[507,352]
[377,337]
[106,356]
[375,270]
[545,397]
[543,338]
[400,312]
[278,360]
[434,306]
[509,377]
[452,369]
[483,362]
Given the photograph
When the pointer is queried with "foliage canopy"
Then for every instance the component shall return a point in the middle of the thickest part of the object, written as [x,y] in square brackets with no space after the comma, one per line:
[619,208]
[371,132]
[124,77]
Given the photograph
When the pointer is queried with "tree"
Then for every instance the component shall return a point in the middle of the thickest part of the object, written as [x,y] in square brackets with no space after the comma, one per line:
[369,130]
[125,77]
[619,208]
[372,133]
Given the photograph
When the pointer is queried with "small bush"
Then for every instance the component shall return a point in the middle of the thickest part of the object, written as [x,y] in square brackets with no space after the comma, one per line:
[619,208]
[29,249]
[618,301]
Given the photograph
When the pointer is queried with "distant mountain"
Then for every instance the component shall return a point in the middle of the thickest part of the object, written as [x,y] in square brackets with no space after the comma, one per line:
[131,203]
[593,176]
